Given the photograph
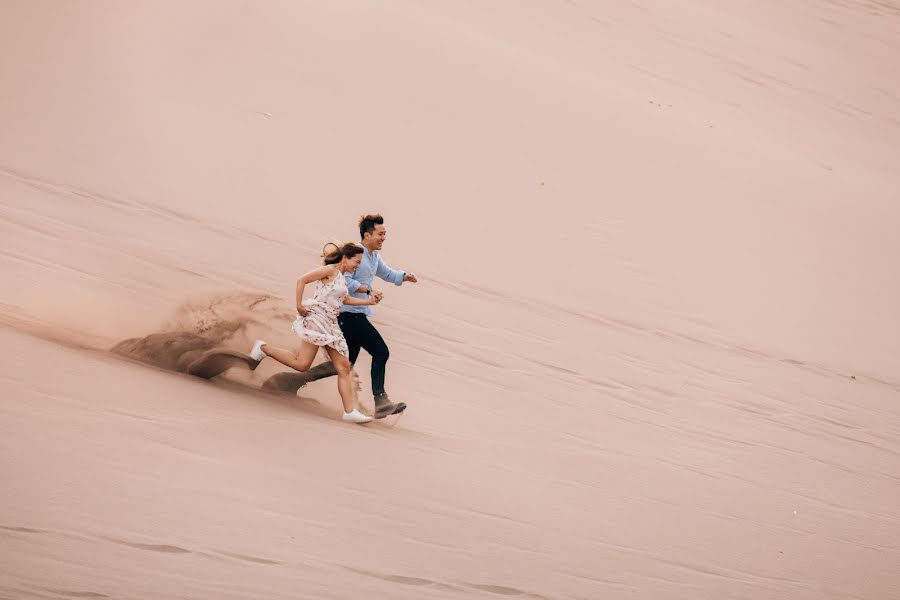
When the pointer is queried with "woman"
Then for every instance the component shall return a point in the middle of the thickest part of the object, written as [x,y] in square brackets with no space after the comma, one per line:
[317,324]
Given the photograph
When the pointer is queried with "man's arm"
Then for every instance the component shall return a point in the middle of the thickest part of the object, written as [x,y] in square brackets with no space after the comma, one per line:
[353,285]
[392,275]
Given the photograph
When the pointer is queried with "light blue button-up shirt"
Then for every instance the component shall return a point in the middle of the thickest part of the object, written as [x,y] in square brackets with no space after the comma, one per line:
[369,267]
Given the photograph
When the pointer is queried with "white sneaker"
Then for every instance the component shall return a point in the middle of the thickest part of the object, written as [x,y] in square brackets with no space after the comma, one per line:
[354,416]
[257,354]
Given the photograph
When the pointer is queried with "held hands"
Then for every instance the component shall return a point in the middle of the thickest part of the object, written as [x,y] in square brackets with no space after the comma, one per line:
[375,297]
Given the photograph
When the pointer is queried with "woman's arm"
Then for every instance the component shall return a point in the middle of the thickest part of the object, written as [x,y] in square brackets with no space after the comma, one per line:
[314,275]
[351,301]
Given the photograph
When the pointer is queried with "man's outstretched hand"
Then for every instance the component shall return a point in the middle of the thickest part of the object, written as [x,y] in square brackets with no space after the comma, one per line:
[409,277]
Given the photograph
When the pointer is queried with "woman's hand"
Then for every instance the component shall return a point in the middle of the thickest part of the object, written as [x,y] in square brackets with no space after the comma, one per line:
[303,311]
[375,298]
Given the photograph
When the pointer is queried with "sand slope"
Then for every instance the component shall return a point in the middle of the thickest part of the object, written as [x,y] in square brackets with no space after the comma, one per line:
[653,352]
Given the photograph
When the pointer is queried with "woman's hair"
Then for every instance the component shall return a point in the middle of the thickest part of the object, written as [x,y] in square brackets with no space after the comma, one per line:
[332,253]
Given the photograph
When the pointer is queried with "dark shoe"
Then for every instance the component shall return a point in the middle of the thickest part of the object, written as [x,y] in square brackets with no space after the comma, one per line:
[384,406]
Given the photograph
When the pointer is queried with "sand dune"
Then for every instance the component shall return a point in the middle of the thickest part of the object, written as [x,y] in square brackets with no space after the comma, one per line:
[652,353]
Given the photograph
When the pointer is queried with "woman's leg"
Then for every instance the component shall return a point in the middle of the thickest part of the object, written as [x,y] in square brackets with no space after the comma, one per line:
[299,362]
[345,382]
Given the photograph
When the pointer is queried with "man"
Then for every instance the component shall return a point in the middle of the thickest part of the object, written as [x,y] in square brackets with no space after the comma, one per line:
[354,320]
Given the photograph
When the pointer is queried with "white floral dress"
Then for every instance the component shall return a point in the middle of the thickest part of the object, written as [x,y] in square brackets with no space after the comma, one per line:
[320,326]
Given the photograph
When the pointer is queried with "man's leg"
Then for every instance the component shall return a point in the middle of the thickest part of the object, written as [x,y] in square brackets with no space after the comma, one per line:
[360,333]
[349,324]
[373,343]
